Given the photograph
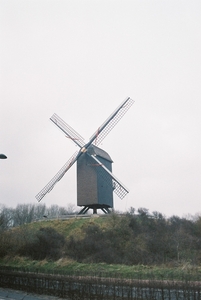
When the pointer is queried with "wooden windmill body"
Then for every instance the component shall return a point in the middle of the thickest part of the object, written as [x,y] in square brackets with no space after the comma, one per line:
[93,191]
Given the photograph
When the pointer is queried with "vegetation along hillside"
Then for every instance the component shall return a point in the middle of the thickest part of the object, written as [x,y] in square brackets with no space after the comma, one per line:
[134,238]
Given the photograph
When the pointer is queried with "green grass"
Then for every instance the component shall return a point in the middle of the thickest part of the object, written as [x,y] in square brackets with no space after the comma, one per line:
[69,267]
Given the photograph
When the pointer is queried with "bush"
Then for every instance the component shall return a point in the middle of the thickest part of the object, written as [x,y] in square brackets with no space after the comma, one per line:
[46,243]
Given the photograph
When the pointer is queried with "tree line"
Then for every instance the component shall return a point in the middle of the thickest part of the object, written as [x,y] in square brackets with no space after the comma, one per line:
[135,237]
[27,213]
[140,238]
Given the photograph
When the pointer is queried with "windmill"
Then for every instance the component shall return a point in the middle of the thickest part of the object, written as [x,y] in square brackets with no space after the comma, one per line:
[95,180]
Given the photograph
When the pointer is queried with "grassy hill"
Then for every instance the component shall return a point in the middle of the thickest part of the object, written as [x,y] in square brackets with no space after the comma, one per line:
[67,227]
[127,246]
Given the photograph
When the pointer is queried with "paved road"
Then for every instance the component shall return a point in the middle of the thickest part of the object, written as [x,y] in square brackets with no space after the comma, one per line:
[6,294]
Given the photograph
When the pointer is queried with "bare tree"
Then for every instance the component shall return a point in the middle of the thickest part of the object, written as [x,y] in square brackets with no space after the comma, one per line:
[6,217]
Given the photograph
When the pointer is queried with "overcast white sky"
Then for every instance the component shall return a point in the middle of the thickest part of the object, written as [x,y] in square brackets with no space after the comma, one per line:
[81,59]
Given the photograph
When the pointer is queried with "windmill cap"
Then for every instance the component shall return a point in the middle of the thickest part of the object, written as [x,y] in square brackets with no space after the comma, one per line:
[94,150]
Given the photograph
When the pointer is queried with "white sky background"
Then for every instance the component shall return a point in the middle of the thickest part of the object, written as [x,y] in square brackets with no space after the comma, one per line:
[81,59]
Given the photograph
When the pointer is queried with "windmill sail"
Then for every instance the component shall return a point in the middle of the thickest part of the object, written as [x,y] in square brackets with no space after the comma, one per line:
[68,130]
[57,177]
[109,124]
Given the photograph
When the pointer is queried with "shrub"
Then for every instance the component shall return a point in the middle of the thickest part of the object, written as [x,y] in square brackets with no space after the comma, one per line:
[45,243]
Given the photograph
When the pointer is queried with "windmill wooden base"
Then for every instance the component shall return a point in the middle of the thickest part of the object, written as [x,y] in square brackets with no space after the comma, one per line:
[85,209]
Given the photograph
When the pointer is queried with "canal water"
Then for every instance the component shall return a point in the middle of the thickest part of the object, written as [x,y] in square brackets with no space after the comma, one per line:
[9,294]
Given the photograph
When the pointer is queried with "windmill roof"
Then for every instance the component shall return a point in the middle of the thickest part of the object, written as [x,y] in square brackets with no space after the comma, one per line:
[100,152]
